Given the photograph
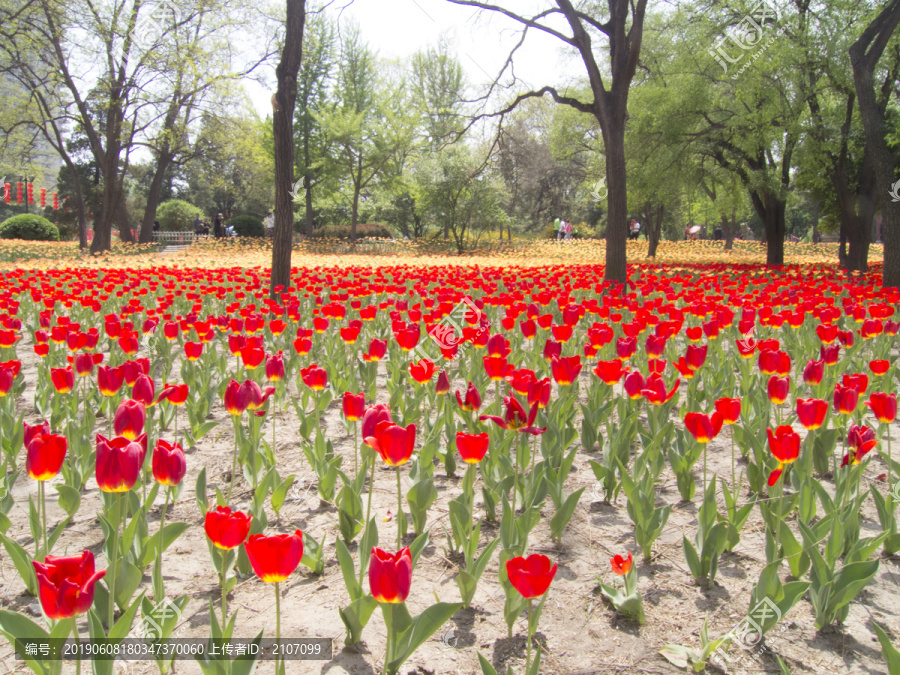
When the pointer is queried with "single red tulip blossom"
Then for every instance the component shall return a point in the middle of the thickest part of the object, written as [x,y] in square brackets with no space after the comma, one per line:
[395,444]
[472,401]
[237,398]
[109,380]
[63,379]
[372,417]
[610,372]
[442,384]
[531,576]
[354,406]
[274,558]
[515,418]
[620,565]
[811,412]
[66,584]
[883,406]
[225,528]
[422,371]
[314,377]
[33,431]
[193,350]
[143,390]
[565,369]
[784,444]
[390,575]
[275,367]
[879,366]
[704,427]
[730,409]
[634,385]
[46,453]
[169,465]
[845,399]
[472,447]
[129,419]
[539,393]
[119,463]
[814,372]
[778,389]
[176,394]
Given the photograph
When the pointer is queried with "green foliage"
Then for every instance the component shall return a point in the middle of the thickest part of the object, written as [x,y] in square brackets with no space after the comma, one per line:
[176,215]
[247,226]
[363,231]
[30,227]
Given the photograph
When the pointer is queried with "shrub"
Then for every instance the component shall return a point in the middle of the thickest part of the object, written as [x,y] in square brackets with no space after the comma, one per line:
[177,215]
[247,226]
[29,226]
[363,231]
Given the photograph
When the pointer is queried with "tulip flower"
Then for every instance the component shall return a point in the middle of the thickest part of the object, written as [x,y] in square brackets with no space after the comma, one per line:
[442,384]
[225,528]
[696,356]
[634,385]
[45,455]
[626,348]
[314,377]
[66,584]
[551,349]
[784,444]
[620,565]
[176,394]
[730,409]
[655,390]
[528,328]
[861,440]
[858,381]
[390,575]
[531,577]
[422,371]
[134,369]
[610,372]
[704,428]
[33,431]
[129,419]
[354,406]
[275,367]
[63,379]
[811,412]
[302,345]
[119,463]
[813,372]
[472,401]
[845,399]
[472,447]
[778,389]
[144,390]
[169,464]
[274,558]
[109,380]
[883,406]
[655,346]
[565,369]
[252,357]
[395,445]
[515,418]
[377,350]
[539,393]
[830,354]
[193,350]
[84,363]
[879,366]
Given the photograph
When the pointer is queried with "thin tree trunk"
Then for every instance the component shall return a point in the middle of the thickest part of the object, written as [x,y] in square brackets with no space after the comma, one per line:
[283,135]
[616,221]
[156,186]
[307,189]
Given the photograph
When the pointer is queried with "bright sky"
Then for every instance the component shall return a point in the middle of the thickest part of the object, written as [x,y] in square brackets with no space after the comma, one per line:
[482,41]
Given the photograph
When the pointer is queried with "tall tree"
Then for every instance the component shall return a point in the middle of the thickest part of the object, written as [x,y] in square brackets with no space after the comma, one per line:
[621,25]
[314,85]
[283,135]
[864,56]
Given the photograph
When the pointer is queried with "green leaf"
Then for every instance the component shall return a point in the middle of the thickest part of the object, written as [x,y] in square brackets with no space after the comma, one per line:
[562,517]
[200,493]
[22,561]
[348,570]
[279,494]
[422,627]
[69,499]
[170,533]
[486,667]
[888,651]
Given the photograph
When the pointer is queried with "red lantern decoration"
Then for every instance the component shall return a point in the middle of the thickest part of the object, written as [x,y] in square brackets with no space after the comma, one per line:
[30,193]
[7,193]
[19,192]
[43,197]
[55,202]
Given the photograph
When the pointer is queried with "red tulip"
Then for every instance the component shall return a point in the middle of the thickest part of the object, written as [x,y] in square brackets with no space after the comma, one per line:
[655,390]
[129,419]
[314,377]
[275,367]
[884,406]
[176,394]
[472,447]
[655,345]
[811,412]
[46,453]
[407,337]
[696,356]
[634,385]
[565,369]
[528,328]
[531,576]
[119,463]
[704,427]
[257,395]
[859,381]
[472,401]
[845,399]
[626,348]
[879,366]
[274,558]
[143,390]
[784,445]
[32,432]
[225,528]
[134,369]
[252,357]
[302,346]
[830,354]
[377,350]
[730,409]
[395,444]
[778,389]
[515,418]
[237,398]
[861,440]
[109,380]
[610,372]
[813,372]
[84,363]
[539,393]
[63,379]
[442,384]
[66,584]
[374,415]
[521,380]
[620,565]
[390,575]
[169,465]
[354,406]
[497,367]
[422,371]
[193,350]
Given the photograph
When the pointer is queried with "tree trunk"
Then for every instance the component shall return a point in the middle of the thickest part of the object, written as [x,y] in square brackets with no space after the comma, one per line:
[730,229]
[654,229]
[354,214]
[124,223]
[283,136]
[864,56]
[156,186]
[307,189]
[771,211]
[617,214]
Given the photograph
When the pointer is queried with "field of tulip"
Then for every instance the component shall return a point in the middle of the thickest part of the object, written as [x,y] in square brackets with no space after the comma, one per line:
[450,468]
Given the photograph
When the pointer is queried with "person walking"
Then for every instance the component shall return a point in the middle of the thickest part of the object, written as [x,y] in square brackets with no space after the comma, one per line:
[560,228]
[568,230]
[219,226]
[269,222]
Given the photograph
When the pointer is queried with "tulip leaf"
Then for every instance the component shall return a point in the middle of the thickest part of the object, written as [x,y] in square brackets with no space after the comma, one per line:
[170,533]
[22,561]
[200,493]
[889,652]
[279,494]
[14,627]
[348,570]
[420,629]
[486,667]
[355,617]
[128,580]
[418,545]
[562,517]
[312,554]
[55,534]
[245,664]
[69,499]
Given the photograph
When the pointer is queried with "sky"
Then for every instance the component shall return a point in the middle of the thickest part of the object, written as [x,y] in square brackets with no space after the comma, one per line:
[395,29]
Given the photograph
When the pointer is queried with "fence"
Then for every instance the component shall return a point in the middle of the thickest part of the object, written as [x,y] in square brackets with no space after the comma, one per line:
[178,238]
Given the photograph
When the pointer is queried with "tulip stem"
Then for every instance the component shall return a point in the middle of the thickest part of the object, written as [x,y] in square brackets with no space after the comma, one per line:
[399,510]
[515,448]
[113,560]
[528,646]
[159,593]
[890,471]
[733,484]
[278,621]
[44,518]
[222,580]
[77,646]
[233,464]
[355,449]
